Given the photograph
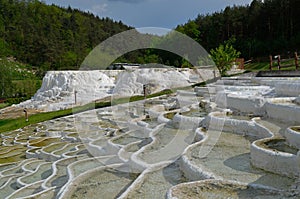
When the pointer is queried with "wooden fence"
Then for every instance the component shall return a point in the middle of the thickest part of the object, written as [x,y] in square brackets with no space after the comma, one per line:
[2,100]
[282,63]
[241,63]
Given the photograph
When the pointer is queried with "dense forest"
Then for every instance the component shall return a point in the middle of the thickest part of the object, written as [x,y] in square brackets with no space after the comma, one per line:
[35,37]
[54,38]
[260,29]
[51,37]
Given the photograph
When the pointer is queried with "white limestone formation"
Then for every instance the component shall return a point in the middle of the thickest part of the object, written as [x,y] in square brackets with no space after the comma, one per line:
[60,89]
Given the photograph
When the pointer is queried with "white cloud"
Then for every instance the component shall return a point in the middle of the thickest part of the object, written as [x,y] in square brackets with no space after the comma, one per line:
[99,8]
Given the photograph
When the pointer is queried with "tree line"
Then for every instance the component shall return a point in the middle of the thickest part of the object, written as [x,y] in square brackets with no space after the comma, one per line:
[260,29]
[51,37]
[55,38]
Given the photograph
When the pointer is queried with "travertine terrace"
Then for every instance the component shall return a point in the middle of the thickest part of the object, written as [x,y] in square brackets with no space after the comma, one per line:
[234,138]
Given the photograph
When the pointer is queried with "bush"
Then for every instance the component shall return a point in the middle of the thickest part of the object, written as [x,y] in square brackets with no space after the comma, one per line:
[224,56]
[16,100]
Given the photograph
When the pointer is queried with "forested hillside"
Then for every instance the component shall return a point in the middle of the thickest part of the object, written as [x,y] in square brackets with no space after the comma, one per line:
[261,28]
[50,37]
[54,38]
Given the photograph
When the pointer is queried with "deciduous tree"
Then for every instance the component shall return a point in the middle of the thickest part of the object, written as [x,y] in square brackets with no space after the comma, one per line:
[224,56]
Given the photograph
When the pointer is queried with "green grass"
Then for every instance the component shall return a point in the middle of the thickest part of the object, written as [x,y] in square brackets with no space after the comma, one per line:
[27,86]
[262,66]
[19,71]
[3,105]
[257,66]
[24,81]
[164,92]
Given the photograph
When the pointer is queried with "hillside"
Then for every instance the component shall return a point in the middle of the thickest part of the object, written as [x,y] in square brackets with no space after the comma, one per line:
[49,36]
[261,28]
[18,81]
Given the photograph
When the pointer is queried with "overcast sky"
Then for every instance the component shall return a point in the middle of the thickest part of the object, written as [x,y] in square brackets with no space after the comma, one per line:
[149,13]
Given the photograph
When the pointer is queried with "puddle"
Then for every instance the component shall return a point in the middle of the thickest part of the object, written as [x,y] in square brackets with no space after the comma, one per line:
[61,176]
[282,146]
[126,140]
[13,154]
[10,187]
[32,166]
[223,190]
[16,158]
[160,181]
[43,172]
[237,116]
[67,148]
[131,137]
[195,113]
[7,166]
[138,146]
[152,123]
[170,115]
[169,144]
[106,184]
[296,129]
[54,147]
[28,191]
[230,159]
[44,142]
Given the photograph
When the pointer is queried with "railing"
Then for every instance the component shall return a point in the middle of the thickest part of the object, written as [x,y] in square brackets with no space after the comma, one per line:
[282,63]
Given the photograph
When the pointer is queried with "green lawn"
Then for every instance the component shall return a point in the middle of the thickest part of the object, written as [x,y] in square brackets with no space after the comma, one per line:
[259,66]
[3,105]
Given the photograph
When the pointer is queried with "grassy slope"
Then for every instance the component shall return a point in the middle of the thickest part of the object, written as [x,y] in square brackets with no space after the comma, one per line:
[25,82]
[3,105]
[19,71]
[259,66]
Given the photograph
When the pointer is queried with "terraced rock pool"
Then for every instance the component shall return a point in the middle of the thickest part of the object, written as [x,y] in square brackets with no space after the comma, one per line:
[125,152]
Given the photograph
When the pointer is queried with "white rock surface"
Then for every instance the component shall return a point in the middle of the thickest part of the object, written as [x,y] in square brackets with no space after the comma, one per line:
[59,87]
[131,82]
[293,137]
[288,87]
[274,161]
[291,88]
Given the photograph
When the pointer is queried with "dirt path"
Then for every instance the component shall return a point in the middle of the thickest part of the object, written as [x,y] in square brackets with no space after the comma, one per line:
[15,112]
